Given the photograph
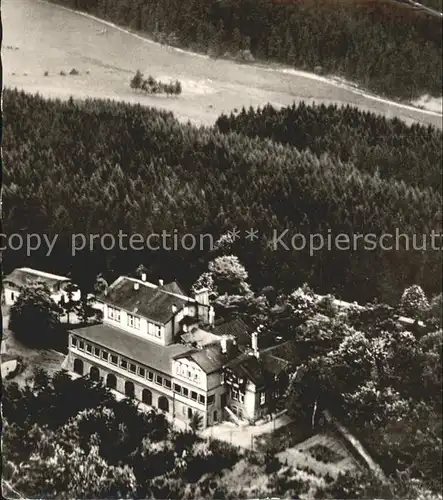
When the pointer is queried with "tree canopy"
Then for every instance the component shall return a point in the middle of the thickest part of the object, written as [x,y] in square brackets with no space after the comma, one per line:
[154,174]
[385,46]
[34,317]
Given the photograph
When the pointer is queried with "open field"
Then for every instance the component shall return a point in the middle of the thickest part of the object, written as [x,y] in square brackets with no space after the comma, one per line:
[40,37]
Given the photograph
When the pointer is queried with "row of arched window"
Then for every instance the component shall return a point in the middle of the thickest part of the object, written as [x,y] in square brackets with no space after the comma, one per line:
[111,382]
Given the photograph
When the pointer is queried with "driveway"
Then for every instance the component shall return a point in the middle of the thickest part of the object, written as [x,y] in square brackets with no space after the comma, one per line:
[244,436]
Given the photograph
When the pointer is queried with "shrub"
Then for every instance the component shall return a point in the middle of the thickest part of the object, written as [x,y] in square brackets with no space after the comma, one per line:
[324,454]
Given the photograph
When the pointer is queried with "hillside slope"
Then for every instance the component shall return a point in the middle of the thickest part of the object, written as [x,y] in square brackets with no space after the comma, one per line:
[41,37]
[385,46]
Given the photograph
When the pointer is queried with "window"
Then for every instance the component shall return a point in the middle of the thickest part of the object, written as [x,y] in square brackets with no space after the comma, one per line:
[133,321]
[150,376]
[114,359]
[159,380]
[185,392]
[141,371]
[167,383]
[81,345]
[123,364]
[154,330]
[12,295]
[201,399]
[178,388]
[96,352]
[73,341]
[132,368]
[211,399]
[194,395]
[89,348]
[237,395]
[178,369]
[113,313]
[262,398]
[105,355]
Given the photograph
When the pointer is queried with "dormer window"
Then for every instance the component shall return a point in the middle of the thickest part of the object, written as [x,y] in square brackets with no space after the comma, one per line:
[154,330]
[113,313]
[133,322]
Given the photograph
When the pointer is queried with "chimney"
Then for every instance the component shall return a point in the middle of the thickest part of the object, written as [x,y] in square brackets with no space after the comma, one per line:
[161,282]
[143,276]
[173,308]
[211,316]
[254,342]
[224,345]
[136,286]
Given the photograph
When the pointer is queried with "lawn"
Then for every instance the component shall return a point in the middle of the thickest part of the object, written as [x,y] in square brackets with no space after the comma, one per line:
[282,438]
[30,359]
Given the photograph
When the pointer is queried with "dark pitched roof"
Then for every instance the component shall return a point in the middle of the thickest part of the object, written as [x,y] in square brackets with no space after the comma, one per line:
[133,347]
[236,328]
[272,361]
[209,359]
[287,351]
[25,276]
[189,321]
[149,300]
[173,287]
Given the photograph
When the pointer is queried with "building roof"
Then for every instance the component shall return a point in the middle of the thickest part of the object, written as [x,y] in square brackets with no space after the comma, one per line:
[173,287]
[149,300]
[131,346]
[272,361]
[210,359]
[235,328]
[200,337]
[25,276]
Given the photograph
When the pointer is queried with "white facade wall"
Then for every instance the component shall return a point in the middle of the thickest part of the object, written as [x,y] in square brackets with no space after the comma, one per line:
[12,293]
[197,378]
[147,329]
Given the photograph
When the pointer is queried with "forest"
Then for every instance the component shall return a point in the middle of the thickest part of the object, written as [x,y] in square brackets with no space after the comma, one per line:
[383,46]
[371,142]
[142,172]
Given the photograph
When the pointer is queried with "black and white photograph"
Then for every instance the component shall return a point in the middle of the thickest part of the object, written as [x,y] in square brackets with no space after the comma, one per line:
[221,249]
